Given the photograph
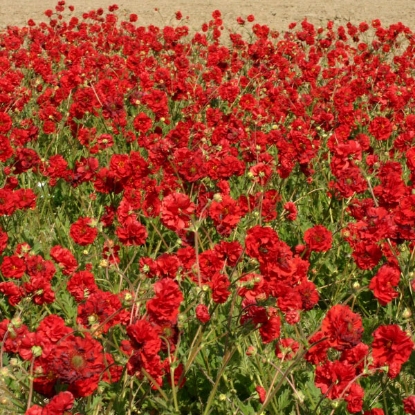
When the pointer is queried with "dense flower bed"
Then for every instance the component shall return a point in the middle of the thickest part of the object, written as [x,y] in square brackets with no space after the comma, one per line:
[209,222]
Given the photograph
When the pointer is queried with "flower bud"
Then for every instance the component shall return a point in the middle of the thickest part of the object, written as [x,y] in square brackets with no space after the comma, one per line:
[251,351]
[37,351]
[14,362]
[16,322]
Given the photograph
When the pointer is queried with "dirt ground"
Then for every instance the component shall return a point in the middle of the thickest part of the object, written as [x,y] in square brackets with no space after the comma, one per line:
[275,13]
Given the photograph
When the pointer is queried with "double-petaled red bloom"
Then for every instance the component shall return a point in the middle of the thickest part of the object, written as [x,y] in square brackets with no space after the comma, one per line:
[383,283]
[392,347]
[342,327]
[83,231]
[318,238]
[176,211]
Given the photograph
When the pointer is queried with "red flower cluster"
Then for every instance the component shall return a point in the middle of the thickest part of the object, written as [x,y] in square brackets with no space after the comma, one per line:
[179,160]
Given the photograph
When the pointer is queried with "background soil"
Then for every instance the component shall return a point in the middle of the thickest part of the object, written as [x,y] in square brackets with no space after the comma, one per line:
[275,13]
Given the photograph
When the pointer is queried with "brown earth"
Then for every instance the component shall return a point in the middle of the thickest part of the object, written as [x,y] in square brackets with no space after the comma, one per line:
[275,13]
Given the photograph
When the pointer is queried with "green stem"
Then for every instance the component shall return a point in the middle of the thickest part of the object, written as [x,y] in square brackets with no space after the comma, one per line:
[226,360]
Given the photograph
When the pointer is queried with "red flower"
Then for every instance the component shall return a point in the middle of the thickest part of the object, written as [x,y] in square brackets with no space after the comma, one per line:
[3,240]
[383,282]
[409,405]
[366,255]
[231,252]
[309,294]
[220,288]
[354,398]
[318,238]
[120,165]
[12,334]
[334,378]
[226,214]
[78,362]
[101,311]
[13,267]
[142,122]
[36,266]
[6,150]
[13,292]
[83,231]
[40,289]
[176,209]
[64,258]
[164,307]
[5,122]
[262,393]
[286,349]
[391,346]
[52,329]
[261,173]
[261,242]
[132,233]
[291,209]
[251,286]
[216,14]
[7,202]
[380,128]
[147,343]
[357,356]
[24,199]
[342,327]
[202,313]
[144,336]
[374,411]
[271,329]
[81,285]
[60,404]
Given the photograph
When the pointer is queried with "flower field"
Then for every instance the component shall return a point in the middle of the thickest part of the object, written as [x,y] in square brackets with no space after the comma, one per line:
[206,222]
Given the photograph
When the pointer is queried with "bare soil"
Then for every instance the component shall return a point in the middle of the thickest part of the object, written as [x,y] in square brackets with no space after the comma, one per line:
[275,13]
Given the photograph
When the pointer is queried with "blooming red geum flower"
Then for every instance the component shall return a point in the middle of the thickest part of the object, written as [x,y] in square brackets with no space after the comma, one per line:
[202,313]
[60,404]
[383,282]
[391,346]
[132,233]
[5,122]
[164,307]
[409,405]
[374,411]
[226,214]
[342,327]
[380,128]
[176,209]
[101,311]
[318,238]
[83,231]
[220,287]
[142,122]
[78,362]
[354,398]
[64,258]
[261,242]
[13,267]
[292,210]
[334,378]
